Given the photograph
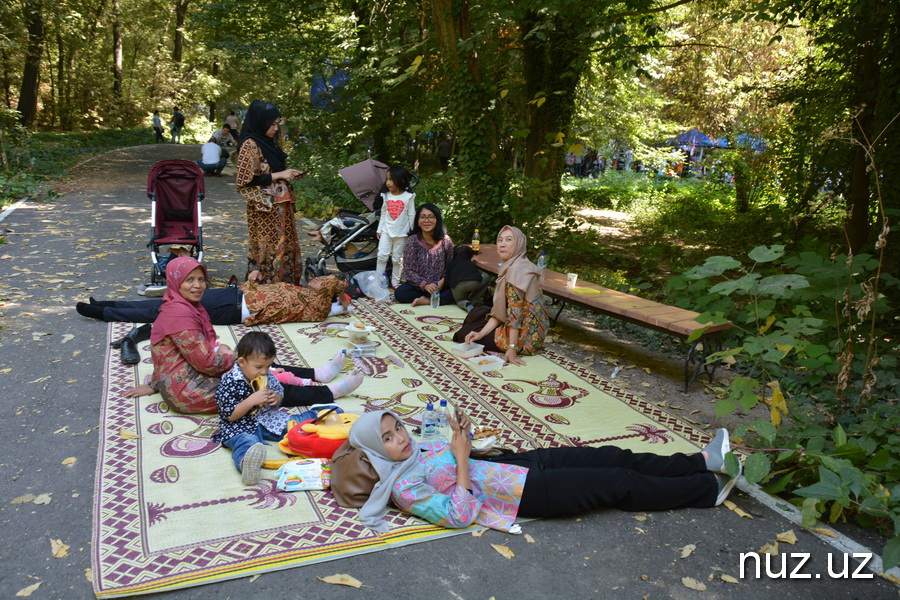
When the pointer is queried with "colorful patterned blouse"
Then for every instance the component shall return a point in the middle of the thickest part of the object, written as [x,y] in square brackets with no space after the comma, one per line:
[424,264]
[530,318]
[287,303]
[186,372]
[429,491]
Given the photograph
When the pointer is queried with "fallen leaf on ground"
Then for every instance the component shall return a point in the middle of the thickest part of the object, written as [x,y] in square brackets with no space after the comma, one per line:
[645,384]
[647,370]
[823,531]
[690,582]
[734,508]
[788,537]
[639,530]
[255,577]
[529,539]
[89,575]
[23,499]
[504,551]
[341,579]
[40,379]
[58,549]
[645,577]
[479,533]
[728,579]
[7,370]
[62,429]
[43,499]
[128,435]
[639,518]
[69,461]
[770,549]
[25,592]
[687,550]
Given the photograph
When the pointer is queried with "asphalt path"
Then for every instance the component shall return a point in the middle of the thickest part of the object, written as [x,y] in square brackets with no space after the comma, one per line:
[91,241]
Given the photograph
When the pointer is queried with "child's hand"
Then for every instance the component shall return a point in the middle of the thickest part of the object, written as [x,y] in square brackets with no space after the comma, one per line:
[261,397]
[275,400]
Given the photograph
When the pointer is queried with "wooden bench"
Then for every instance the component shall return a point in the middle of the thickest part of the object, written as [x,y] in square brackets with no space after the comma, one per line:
[646,313]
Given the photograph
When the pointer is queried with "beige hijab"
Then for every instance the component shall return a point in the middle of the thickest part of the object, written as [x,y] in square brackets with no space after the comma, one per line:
[518,271]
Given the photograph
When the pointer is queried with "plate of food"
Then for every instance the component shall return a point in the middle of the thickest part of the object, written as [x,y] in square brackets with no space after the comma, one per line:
[358,332]
[485,363]
[484,439]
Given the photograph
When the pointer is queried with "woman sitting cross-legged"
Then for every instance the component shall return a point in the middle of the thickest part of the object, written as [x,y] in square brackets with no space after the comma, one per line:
[426,256]
[518,321]
[188,361]
[443,485]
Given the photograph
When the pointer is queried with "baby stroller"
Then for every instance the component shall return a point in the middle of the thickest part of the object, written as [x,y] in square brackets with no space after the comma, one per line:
[352,242]
[176,190]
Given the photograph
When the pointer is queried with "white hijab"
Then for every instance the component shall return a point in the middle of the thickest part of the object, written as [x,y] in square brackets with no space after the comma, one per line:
[366,435]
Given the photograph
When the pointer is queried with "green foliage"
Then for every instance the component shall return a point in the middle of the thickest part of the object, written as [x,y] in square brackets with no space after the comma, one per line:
[810,343]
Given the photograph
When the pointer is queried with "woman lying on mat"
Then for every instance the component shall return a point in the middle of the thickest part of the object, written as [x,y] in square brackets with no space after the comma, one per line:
[518,321]
[250,304]
[188,361]
[441,484]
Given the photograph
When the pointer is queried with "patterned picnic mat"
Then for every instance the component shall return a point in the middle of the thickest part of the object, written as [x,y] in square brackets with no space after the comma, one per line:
[170,510]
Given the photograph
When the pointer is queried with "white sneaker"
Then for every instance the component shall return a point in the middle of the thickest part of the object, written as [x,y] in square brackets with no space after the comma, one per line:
[252,463]
[726,484]
[716,451]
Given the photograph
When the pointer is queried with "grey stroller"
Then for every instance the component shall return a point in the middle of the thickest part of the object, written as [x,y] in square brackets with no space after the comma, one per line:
[350,237]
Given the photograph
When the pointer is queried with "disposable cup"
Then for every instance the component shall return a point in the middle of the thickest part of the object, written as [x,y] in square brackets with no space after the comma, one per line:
[571,280]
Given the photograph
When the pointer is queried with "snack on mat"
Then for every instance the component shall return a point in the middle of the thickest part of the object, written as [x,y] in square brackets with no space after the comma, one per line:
[485,432]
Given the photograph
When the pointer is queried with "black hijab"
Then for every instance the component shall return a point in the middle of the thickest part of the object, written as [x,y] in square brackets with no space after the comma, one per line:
[260,117]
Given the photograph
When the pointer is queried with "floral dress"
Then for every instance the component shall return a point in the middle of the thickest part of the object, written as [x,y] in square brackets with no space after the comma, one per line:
[429,490]
[186,372]
[531,318]
[287,303]
[274,250]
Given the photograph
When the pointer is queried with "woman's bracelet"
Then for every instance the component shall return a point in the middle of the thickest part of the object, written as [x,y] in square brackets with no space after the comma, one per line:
[511,347]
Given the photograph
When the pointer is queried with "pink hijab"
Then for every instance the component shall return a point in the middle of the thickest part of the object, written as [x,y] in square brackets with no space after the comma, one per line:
[519,271]
[177,313]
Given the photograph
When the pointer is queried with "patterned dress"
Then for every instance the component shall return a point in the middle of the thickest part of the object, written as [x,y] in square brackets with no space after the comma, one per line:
[530,318]
[274,249]
[424,264]
[287,303]
[186,372]
[429,491]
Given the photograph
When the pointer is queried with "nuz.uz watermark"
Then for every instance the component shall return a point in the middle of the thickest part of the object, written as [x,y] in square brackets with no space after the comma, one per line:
[790,565]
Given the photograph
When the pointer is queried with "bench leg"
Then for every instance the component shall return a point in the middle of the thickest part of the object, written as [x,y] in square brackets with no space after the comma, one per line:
[562,305]
[695,363]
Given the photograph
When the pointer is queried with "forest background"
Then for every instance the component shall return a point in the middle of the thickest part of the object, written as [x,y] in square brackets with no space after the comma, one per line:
[788,236]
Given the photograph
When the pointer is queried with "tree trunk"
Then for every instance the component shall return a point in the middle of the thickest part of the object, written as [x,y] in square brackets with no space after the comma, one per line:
[28,93]
[212,102]
[553,65]
[479,159]
[117,50]
[181,7]
[7,78]
[859,198]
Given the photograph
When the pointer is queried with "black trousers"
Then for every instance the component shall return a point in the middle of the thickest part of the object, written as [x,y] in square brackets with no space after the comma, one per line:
[569,481]
[222,304]
[295,395]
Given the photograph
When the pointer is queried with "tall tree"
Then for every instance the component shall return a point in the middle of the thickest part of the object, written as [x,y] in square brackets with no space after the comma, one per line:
[32,11]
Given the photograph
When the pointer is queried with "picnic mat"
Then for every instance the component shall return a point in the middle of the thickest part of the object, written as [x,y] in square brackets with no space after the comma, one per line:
[169,507]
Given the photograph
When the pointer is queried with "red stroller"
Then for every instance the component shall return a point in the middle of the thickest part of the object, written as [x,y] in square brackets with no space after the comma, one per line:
[176,190]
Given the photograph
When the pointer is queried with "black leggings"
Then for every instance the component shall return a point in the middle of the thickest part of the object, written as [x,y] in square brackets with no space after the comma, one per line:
[569,481]
[304,395]
[222,304]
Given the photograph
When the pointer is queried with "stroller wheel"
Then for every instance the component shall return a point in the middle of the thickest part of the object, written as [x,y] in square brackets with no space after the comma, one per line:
[311,271]
[156,276]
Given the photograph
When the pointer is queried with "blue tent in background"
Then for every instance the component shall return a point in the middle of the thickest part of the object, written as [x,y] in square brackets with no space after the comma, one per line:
[327,87]
[693,137]
[745,140]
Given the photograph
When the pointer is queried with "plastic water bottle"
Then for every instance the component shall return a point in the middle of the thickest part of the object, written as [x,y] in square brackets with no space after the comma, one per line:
[429,424]
[443,421]
[542,263]
[476,241]
[436,296]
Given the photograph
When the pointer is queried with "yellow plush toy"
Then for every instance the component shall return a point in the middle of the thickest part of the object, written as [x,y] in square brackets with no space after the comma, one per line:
[334,427]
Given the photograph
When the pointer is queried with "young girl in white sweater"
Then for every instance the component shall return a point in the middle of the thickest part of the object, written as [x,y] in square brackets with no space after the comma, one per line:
[397,217]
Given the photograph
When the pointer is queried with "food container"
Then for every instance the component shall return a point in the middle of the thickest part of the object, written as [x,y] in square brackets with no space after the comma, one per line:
[485,363]
[358,333]
[484,445]
[467,350]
